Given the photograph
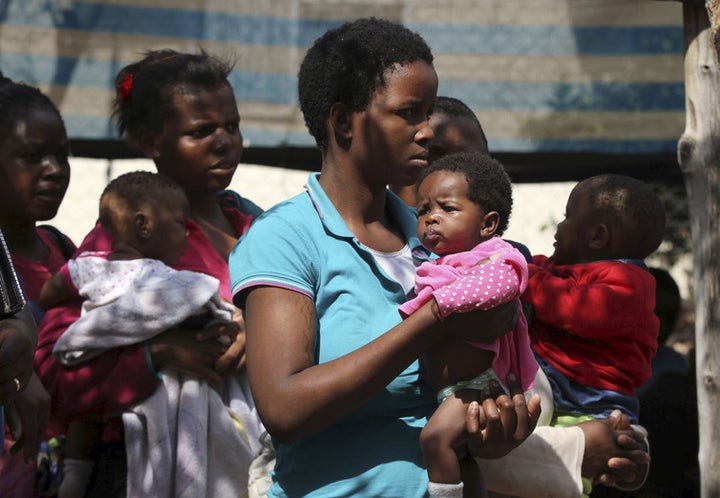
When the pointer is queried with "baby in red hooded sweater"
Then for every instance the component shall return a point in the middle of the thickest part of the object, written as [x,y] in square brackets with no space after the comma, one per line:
[593,328]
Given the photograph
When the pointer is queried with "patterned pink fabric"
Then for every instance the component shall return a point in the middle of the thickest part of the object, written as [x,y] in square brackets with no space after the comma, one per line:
[492,273]
[481,287]
[35,273]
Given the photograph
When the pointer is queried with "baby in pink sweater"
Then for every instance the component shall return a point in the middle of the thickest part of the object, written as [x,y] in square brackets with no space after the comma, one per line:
[464,204]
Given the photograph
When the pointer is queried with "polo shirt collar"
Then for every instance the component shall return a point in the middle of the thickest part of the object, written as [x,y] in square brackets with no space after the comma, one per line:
[404,215]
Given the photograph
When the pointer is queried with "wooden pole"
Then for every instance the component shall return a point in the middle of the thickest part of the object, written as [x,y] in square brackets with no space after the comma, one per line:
[699,158]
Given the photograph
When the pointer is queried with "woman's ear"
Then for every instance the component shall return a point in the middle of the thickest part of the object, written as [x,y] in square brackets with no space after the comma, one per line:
[599,237]
[490,224]
[147,142]
[143,225]
[340,122]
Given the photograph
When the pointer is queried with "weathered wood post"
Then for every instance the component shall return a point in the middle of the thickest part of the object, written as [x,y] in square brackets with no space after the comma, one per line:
[699,158]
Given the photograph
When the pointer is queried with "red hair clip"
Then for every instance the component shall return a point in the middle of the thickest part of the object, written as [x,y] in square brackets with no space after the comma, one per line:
[126,87]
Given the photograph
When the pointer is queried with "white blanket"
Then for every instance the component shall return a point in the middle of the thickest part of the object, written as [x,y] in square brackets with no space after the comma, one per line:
[127,302]
[181,442]
[186,439]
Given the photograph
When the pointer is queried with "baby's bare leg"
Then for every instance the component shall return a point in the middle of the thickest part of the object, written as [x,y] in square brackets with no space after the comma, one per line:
[444,438]
[444,444]
[443,441]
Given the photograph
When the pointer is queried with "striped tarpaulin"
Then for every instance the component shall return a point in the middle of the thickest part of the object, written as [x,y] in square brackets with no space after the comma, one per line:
[543,75]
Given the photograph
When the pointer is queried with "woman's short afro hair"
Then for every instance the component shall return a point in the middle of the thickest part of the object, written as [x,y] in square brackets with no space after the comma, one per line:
[347,64]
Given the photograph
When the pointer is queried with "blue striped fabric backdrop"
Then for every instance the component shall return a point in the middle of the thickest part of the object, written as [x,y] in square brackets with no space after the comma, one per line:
[542,75]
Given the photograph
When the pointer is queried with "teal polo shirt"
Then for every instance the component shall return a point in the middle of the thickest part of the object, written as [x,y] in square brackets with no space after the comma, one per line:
[303,245]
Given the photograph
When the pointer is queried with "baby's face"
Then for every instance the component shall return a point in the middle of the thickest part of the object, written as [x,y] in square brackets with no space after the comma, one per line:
[572,234]
[448,222]
[170,234]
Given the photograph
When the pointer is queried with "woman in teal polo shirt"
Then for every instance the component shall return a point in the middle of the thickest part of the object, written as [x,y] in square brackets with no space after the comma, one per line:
[333,369]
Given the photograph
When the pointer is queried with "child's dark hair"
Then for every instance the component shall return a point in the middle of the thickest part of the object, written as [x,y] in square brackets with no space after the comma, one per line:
[17,99]
[145,89]
[632,207]
[129,192]
[347,64]
[456,108]
[489,185]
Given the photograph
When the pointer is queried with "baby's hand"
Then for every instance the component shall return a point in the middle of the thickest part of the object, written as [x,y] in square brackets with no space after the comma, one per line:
[489,259]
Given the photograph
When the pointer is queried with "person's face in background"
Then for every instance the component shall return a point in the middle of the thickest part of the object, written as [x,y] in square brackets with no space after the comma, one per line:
[454,134]
[450,134]
[34,167]
[200,144]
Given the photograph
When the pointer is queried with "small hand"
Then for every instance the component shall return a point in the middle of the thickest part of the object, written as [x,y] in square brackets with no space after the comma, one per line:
[489,259]
[27,417]
[615,453]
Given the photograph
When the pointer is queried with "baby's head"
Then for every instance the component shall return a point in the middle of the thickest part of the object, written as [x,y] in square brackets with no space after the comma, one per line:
[147,212]
[463,199]
[609,217]
[347,64]
[144,90]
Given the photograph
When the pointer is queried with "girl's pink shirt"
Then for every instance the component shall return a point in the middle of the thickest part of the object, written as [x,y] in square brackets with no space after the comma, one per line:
[35,273]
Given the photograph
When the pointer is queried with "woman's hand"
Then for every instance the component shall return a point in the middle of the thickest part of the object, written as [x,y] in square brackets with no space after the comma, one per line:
[191,352]
[27,417]
[17,346]
[501,423]
[232,362]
